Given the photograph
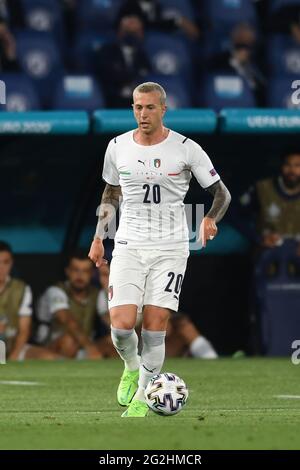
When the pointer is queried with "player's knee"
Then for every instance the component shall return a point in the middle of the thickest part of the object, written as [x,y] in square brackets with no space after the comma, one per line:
[123,318]
[155,318]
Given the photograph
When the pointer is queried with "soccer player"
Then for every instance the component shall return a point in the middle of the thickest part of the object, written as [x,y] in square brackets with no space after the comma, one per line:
[151,168]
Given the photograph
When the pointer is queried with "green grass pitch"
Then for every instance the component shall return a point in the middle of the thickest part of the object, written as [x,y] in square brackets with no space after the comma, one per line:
[233,404]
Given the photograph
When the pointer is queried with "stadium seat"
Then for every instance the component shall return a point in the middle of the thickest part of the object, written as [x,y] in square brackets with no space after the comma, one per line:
[283,55]
[278,293]
[97,15]
[43,16]
[40,59]
[215,43]
[280,94]
[222,15]
[178,96]
[78,93]
[20,93]
[86,45]
[170,8]
[168,55]
[219,91]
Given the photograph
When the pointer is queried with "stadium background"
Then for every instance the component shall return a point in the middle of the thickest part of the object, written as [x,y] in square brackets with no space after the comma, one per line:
[50,166]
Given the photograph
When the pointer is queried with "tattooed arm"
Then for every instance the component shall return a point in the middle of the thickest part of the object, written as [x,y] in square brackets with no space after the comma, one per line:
[222,198]
[221,201]
[107,211]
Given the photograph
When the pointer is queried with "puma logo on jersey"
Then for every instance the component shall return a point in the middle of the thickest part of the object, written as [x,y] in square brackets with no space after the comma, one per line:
[142,162]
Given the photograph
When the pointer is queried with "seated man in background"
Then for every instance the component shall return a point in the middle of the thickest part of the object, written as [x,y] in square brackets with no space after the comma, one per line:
[130,63]
[241,59]
[182,337]
[275,203]
[16,312]
[67,311]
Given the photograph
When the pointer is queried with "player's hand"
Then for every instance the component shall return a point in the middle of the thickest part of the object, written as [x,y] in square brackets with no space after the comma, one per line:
[271,239]
[92,352]
[208,230]
[96,252]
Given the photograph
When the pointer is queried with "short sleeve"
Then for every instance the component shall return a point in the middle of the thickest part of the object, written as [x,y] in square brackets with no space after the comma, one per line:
[57,300]
[102,303]
[25,309]
[201,166]
[110,173]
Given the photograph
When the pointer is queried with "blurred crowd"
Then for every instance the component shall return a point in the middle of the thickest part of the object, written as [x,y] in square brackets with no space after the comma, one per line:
[88,54]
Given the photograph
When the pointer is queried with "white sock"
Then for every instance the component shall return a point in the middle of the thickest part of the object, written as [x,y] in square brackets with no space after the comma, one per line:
[152,359]
[200,347]
[126,343]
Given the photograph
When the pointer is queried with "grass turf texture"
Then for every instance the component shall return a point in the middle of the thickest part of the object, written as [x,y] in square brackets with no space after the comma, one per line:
[232,405]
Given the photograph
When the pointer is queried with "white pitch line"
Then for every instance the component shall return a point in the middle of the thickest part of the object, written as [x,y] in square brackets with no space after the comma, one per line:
[296,397]
[18,382]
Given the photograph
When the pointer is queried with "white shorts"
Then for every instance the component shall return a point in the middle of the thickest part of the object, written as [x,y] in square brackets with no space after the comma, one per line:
[146,277]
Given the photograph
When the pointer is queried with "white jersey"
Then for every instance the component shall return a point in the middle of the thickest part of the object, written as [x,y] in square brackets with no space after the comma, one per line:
[154,180]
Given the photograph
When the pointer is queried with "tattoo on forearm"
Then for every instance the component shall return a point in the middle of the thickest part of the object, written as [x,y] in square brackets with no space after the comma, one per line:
[108,208]
[221,200]
[111,195]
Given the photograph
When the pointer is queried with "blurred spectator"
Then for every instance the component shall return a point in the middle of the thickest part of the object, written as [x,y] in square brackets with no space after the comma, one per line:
[286,20]
[122,64]
[275,203]
[69,17]
[10,13]
[16,312]
[184,339]
[241,59]
[151,13]
[66,312]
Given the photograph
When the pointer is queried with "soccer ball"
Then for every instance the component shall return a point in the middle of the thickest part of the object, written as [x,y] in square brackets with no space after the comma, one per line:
[166,394]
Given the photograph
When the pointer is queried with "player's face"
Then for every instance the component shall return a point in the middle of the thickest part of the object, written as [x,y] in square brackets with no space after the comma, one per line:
[104,276]
[291,171]
[6,263]
[148,111]
[79,273]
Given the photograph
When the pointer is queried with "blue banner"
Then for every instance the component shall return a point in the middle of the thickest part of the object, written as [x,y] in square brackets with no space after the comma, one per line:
[45,122]
[259,121]
[180,120]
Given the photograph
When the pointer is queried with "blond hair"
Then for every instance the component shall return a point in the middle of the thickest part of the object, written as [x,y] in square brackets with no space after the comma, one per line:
[148,87]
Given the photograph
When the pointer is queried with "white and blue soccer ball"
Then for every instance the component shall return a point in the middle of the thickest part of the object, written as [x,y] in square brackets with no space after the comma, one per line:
[166,394]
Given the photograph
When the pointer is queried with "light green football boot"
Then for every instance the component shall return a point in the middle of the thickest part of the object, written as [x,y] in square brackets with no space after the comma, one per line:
[127,387]
[136,409]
